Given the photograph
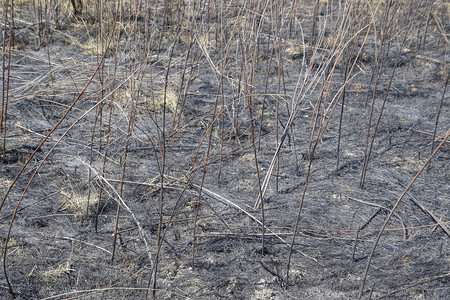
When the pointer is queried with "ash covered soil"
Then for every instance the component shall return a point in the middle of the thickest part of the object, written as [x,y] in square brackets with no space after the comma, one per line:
[212,245]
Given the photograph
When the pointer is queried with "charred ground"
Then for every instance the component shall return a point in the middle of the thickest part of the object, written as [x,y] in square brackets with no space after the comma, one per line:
[167,72]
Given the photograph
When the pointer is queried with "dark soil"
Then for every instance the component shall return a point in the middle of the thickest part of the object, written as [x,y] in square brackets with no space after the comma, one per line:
[55,251]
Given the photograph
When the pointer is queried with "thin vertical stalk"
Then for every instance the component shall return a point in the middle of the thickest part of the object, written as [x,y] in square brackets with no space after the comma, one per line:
[369,147]
[105,155]
[129,132]
[122,176]
[439,112]
[211,129]
[163,149]
[426,27]
[5,95]
[340,119]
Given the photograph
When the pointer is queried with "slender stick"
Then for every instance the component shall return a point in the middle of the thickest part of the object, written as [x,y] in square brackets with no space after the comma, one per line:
[393,209]
[439,112]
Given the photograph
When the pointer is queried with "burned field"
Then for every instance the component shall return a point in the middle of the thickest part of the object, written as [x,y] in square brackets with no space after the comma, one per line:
[225,150]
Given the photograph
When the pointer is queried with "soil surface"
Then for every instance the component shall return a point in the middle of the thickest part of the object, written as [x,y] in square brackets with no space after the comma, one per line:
[58,249]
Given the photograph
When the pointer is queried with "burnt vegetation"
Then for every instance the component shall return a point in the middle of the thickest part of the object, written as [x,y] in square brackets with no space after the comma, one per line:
[257,149]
